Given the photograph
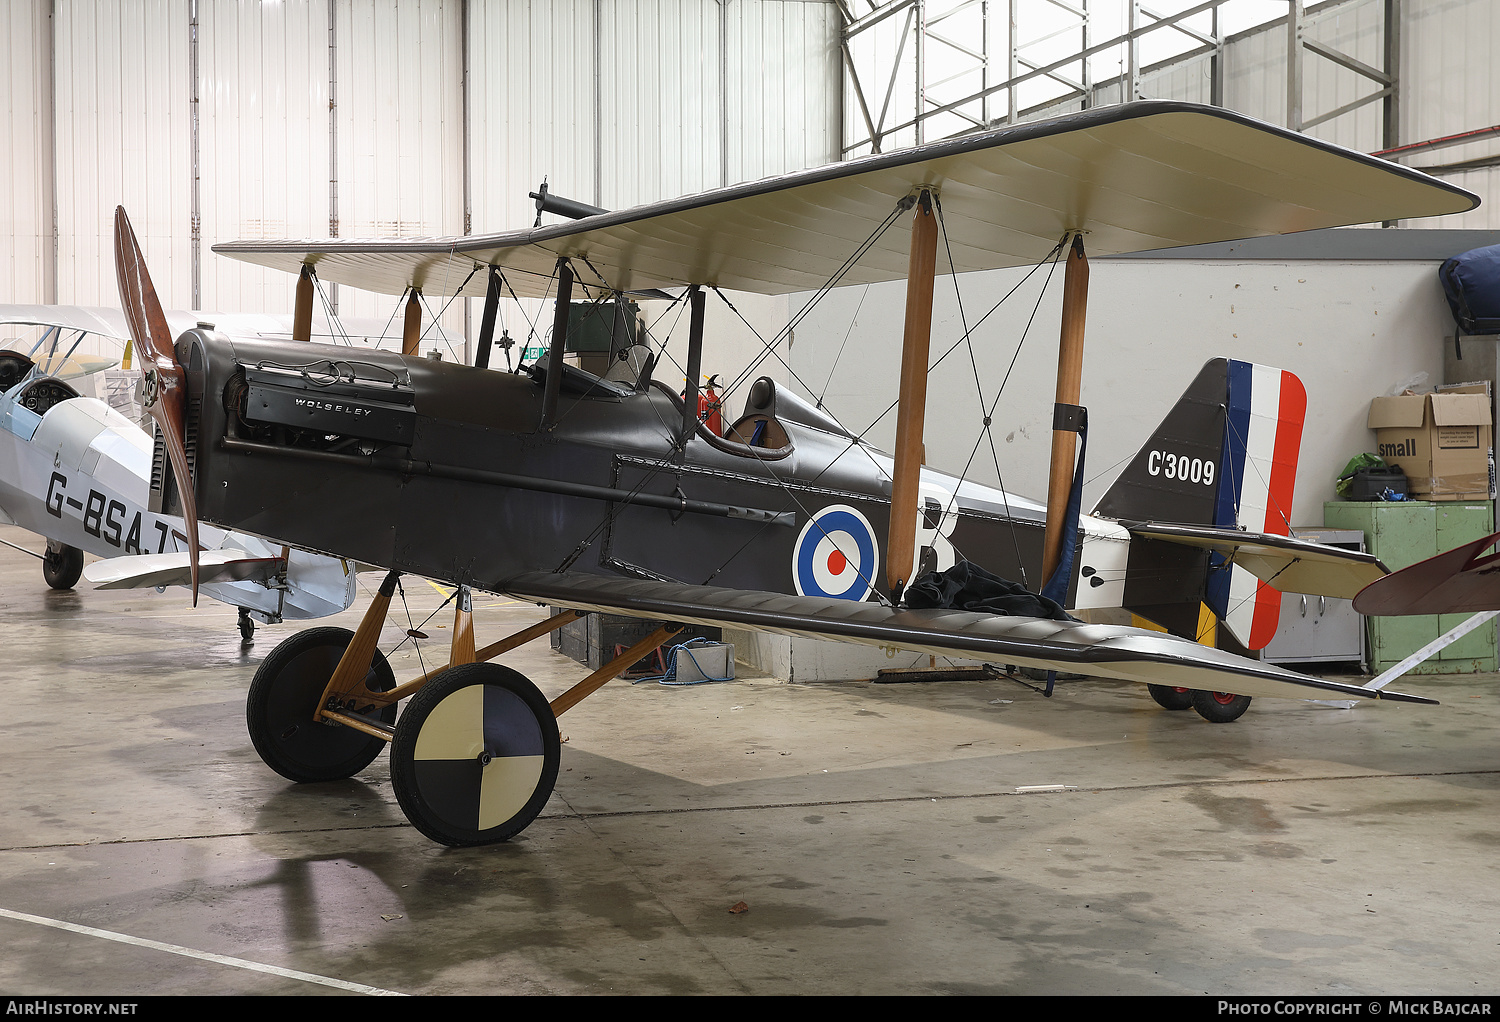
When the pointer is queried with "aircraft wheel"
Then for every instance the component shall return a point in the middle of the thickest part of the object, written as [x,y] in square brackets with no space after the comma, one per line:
[475,755]
[1169,698]
[283,696]
[1219,707]
[62,566]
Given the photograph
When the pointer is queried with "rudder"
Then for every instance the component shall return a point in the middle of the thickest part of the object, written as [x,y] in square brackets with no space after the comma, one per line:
[1224,456]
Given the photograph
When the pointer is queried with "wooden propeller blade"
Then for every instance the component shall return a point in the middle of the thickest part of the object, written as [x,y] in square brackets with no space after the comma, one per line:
[164,392]
[1463,580]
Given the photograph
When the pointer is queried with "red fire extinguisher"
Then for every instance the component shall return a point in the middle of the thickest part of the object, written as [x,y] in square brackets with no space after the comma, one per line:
[710,408]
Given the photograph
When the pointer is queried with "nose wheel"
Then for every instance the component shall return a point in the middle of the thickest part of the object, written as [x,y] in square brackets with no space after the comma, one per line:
[475,755]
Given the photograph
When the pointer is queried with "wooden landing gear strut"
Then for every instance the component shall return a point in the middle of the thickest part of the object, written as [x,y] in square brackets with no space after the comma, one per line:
[474,756]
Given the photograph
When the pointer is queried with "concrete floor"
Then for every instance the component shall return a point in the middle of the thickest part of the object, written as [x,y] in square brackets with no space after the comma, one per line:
[875,832]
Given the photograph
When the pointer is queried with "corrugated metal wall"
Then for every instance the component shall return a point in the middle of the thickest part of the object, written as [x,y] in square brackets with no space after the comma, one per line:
[1453,86]
[347,116]
[122,136]
[26,253]
[264,130]
[620,103]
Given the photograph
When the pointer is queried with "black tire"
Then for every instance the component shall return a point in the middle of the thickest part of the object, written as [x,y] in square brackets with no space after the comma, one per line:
[1219,707]
[283,696]
[62,566]
[1169,698]
[475,755]
[247,628]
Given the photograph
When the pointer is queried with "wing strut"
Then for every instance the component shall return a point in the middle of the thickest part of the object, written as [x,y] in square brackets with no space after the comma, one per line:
[411,329]
[302,314]
[912,399]
[487,322]
[559,342]
[696,305]
[1069,389]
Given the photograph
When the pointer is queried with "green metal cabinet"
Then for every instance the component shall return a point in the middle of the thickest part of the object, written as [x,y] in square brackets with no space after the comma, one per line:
[1402,533]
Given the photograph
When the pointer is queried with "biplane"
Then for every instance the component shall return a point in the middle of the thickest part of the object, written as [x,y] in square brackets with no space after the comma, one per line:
[606,493]
[74,470]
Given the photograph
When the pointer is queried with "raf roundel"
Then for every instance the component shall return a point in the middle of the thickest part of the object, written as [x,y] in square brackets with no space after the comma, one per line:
[836,555]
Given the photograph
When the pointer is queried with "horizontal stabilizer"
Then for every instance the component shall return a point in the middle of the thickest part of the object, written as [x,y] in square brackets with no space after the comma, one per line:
[1107,651]
[1288,564]
[148,571]
[1461,581]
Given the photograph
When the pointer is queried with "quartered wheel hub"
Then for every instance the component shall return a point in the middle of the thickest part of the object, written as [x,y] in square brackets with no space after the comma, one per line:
[475,755]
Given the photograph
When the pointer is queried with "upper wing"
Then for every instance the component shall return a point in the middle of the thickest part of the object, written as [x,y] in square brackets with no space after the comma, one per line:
[110,322]
[1460,581]
[1137,177]
[1108,651]
[1290,565]
[89,319]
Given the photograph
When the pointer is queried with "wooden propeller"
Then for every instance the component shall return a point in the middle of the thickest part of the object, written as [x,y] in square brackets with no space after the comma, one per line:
[164,384]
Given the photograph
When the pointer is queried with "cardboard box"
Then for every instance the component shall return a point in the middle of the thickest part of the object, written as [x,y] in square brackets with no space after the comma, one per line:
[1442,441]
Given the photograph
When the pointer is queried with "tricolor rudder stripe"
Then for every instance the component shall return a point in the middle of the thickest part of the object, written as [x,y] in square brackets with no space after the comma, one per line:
[1265,408]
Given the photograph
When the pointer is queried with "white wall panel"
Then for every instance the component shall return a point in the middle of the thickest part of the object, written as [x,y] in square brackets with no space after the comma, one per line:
[617,101]
[400,131]
[122,116]
[264,141]
[660,74]
[783,88]
[26,160]
[531,74]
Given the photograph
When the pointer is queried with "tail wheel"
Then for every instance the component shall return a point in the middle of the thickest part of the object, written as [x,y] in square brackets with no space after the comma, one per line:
[285,693]
[62,565]
[1219,707]
[475,755]
[1169,698]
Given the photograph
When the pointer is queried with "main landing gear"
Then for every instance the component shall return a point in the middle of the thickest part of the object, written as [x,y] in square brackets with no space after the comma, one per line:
[1218,707]
[475,754]
[62,565]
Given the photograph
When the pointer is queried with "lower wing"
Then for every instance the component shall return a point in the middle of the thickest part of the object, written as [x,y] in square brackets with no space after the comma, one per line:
[146,571]
[1108,651]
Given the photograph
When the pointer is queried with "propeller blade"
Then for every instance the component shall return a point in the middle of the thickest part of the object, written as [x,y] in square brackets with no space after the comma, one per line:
[164,385]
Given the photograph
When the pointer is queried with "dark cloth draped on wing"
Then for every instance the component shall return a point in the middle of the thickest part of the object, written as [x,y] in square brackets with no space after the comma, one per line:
[967,586]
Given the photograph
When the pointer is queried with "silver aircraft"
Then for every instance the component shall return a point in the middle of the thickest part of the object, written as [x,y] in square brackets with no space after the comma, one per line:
[76,471]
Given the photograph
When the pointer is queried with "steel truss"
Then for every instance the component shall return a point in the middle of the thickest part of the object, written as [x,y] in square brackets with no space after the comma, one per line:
[954,66]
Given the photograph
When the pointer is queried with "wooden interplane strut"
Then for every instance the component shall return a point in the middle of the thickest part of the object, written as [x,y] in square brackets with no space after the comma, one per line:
[1069,390]
[302,314]
[411,328]
[912,410]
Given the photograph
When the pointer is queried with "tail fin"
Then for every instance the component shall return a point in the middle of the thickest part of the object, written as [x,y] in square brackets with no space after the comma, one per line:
[1225,456]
